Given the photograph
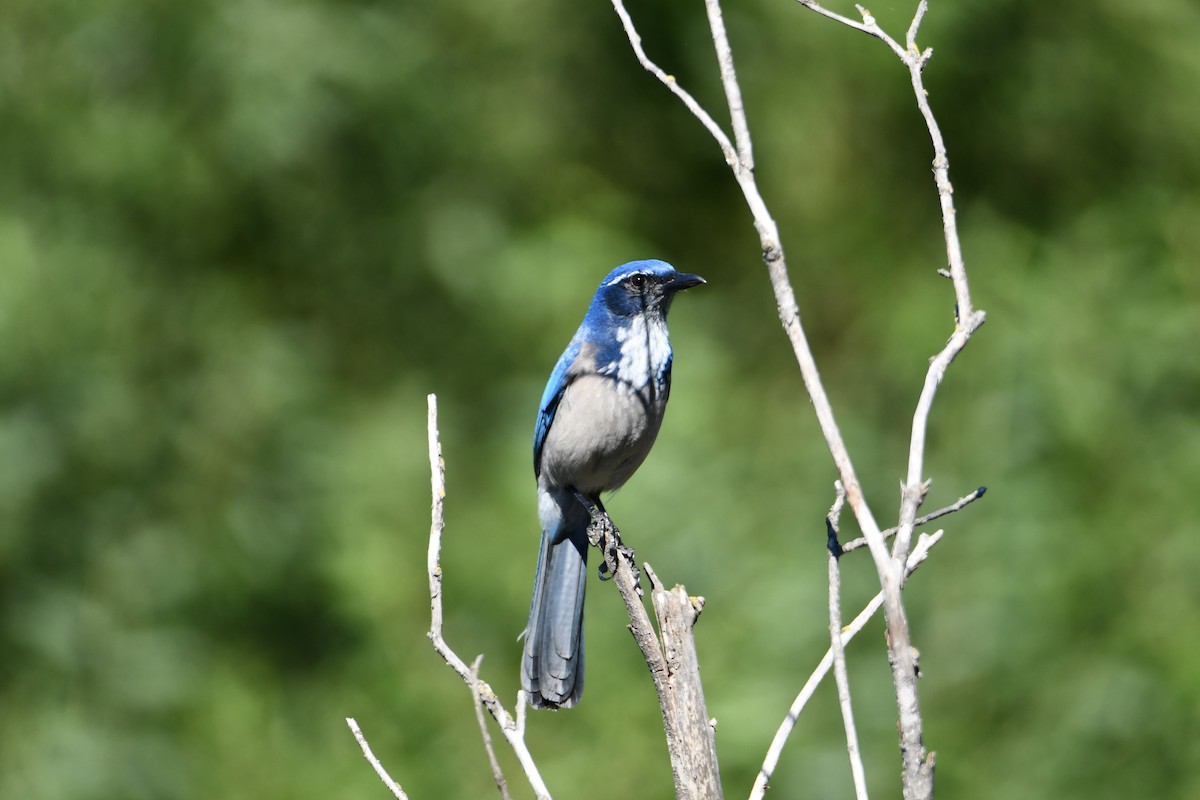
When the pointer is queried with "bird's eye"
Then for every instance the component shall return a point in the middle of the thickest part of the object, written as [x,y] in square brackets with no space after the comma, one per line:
[638,281]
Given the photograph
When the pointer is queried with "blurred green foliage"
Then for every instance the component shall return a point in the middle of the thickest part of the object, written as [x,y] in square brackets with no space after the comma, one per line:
[240,242]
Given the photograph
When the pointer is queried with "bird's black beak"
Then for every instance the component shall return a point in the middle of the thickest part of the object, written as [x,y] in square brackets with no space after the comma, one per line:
[683,281]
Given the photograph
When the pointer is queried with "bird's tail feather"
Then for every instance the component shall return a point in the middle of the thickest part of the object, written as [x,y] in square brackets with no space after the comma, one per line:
[552,667]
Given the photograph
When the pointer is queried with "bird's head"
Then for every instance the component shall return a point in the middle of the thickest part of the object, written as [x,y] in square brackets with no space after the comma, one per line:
[641,287]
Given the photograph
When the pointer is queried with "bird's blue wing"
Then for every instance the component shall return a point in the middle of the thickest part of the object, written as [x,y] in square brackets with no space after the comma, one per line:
[555,387]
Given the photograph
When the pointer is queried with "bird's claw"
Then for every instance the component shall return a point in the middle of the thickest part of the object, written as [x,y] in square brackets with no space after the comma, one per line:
[603,535]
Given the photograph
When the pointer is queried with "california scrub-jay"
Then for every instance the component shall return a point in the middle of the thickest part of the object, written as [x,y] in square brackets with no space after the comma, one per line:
[599,415]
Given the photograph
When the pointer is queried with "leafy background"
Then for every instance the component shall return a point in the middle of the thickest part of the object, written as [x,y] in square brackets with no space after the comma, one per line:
[240,242]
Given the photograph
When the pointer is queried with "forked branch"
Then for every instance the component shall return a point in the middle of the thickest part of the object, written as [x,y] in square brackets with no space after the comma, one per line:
[512,729]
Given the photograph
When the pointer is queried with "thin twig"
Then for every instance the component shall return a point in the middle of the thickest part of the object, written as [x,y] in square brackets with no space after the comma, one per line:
[497,773]
[733,91]
[868,25]
[966,319]
[836,17]
[839,650]
[513,734]
[727,148]
[397,792]
[960,503]
[522,710]
[775,751]
[910,38]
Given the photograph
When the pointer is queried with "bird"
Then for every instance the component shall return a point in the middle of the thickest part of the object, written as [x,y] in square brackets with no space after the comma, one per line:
[598,418]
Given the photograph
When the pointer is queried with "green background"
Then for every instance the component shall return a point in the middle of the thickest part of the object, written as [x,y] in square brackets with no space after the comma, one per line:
[240,242]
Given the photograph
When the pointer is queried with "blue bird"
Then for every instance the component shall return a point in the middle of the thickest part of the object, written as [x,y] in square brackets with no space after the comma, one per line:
[599,415]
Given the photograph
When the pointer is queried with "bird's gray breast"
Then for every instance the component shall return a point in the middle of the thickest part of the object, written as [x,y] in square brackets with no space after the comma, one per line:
[602,432]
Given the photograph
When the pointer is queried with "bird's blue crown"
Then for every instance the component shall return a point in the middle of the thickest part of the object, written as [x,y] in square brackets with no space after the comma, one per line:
[632,289]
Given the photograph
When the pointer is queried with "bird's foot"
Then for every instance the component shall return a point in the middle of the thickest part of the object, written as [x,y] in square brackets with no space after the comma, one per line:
[604,535]
[615,551]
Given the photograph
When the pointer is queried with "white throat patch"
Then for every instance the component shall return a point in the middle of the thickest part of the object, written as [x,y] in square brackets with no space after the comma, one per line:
[645,351]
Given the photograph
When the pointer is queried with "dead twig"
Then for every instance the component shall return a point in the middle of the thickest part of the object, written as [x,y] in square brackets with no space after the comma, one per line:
[775,750]
[497,773]
[396,791]
[513,732]
[838,649]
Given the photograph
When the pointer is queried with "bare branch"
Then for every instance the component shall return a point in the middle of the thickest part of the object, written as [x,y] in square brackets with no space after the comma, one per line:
[868,25]
[522,710]
[839,651]
[397,792]
[514,734]
[733,92]
[743,172]
[966,319]
[910,38]
[497,773]
[833,15]
[727,148]
[913,493]
[960,503]
[775,751]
